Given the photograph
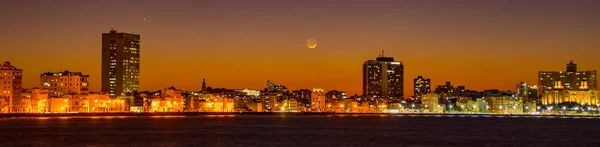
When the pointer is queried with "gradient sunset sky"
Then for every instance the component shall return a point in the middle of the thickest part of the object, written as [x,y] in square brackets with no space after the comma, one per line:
[482,44]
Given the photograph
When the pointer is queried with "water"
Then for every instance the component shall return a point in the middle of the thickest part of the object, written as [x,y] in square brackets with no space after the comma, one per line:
[299,130]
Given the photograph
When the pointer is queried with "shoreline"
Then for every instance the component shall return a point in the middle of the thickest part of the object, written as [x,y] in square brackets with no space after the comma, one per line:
[34,115]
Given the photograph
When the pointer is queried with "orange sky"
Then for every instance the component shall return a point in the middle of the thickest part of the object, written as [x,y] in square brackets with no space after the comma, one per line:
[238,44]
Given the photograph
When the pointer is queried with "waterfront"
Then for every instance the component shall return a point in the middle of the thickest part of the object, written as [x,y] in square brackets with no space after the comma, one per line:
[299,130]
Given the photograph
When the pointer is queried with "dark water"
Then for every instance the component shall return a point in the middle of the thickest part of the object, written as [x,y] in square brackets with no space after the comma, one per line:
[299,130]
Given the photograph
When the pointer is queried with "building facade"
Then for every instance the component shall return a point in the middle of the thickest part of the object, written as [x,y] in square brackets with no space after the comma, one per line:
[317,98]
[570,79]
[421,86]
[383,78]
[11,79]
[120,63]
[64,83]
[430,103]
[505,105]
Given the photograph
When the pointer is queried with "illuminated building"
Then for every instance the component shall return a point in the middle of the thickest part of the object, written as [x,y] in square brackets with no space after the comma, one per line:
[468,105]
[289,105]
[383,78]
[430,102]
[335,95]
[570,79]
[529,107]
[583,95]
[120,63]
[39,100]
[249,92]
[528,93]
[64,83]
[11,87]
[269,101]
[317,99]
[421,86]
[505,105]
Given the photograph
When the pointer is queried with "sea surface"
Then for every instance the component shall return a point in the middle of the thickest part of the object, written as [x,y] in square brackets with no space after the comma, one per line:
[299,130]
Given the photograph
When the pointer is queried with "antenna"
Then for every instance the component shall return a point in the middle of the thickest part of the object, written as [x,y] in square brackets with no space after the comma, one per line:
[112,29]
[382,55]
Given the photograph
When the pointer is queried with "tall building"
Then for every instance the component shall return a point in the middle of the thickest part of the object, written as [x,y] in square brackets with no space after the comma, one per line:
[422,86]
[120,63]
[570,79]
[11,87]
[317,98]
[383,78]
[64,83]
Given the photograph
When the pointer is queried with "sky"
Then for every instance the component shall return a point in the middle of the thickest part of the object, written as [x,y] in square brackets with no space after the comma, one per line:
[481,44]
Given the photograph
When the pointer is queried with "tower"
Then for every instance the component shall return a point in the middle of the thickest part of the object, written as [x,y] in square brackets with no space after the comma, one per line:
[120,63]
[383,78]
[203,84]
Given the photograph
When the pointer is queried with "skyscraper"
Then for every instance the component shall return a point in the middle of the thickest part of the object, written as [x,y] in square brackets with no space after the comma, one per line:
[568,80]
[120,63]
[10,88]
[64,83]
[383,78]
[422,86]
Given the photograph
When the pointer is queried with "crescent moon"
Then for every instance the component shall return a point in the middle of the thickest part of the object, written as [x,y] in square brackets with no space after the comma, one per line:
[311,43]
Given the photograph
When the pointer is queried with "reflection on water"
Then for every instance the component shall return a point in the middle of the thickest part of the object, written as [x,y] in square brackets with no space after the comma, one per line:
[300,130]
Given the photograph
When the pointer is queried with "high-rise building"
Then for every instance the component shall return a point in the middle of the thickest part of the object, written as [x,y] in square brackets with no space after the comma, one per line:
[317,98]
[64,83]
[120,63]
[10,88]
[383,78]
[422,86]
[569,80]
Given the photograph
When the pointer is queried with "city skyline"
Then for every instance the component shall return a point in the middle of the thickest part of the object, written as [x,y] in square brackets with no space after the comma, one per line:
[479,56]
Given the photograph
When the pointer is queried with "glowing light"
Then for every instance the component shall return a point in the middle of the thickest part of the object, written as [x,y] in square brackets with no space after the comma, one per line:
[311,43]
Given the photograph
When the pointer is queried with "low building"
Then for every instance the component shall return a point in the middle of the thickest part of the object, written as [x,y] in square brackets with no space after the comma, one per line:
[255,107]
[430,103]
[529,107]
[505,105]
[64,83]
